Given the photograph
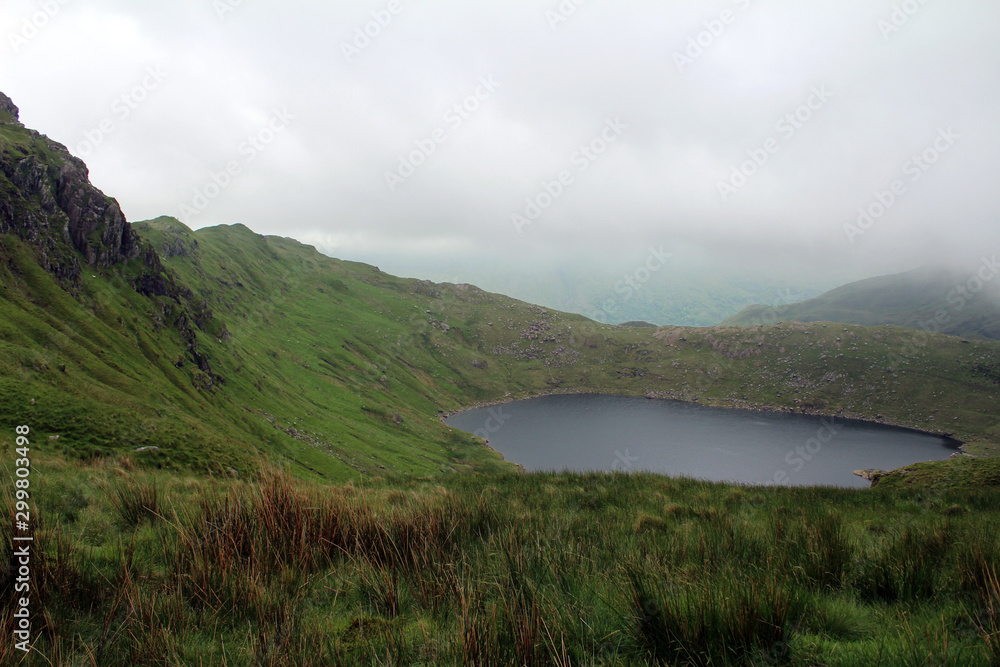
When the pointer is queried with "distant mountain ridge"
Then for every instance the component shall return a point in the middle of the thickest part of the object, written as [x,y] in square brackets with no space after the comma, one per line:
[936,299]
[698,291]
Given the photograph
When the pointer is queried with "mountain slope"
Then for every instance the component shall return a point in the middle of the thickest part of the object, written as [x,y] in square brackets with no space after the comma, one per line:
[222,348]
[932,299]
[419,347]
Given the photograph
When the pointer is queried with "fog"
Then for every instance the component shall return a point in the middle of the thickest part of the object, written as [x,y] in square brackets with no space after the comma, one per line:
[818,142]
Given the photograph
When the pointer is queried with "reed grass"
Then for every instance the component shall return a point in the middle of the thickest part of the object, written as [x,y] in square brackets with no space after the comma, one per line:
[506,570]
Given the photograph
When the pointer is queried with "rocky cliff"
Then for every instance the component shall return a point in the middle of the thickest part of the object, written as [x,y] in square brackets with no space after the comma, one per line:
[48,199]
[8,111]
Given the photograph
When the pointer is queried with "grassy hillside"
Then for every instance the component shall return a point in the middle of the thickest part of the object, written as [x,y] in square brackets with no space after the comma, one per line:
[420,347]
[342,369]
[97,371]
[165,569]
[939,300]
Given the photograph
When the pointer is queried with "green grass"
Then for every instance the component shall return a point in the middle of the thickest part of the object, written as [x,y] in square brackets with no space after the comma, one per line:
[964,472]
[502,570]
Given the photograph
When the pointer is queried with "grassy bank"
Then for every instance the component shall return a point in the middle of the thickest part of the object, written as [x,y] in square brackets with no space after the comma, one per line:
[144,567]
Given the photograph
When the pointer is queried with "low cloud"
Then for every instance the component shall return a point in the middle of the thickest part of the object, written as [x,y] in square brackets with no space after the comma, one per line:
[732,151]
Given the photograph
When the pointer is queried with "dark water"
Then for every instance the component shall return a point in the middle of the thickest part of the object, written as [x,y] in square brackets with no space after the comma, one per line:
[605,433]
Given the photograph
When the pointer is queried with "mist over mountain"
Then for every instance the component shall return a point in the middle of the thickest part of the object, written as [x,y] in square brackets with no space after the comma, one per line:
[805,135]
[940,299]
[664,286]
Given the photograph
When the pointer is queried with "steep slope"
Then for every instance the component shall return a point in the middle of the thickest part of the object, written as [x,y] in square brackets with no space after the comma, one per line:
[49,202]
[933,299]
[99,344]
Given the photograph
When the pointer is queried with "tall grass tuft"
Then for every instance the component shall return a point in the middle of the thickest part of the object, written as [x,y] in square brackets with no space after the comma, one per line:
[978,558]
[987,620]
[828,551]
[135,502]
[908,568]
[723,622]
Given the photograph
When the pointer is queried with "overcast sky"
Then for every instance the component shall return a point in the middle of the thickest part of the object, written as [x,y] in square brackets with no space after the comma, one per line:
[749,129]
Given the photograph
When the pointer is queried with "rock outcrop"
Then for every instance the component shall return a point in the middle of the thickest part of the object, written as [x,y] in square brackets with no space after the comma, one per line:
[48,201]
[48,198]
[8,107]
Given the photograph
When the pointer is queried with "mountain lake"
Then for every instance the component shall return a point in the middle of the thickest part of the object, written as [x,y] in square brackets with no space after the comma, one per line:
[592,432]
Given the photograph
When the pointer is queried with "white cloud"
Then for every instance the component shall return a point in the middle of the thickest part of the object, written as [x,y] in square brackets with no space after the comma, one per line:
[324,177]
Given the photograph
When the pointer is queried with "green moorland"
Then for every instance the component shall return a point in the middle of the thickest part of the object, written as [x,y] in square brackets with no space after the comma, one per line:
[146,566]
[237,458]
[307,506]
[342,370]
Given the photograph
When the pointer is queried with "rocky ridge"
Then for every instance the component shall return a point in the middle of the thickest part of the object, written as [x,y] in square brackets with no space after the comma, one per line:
[48,201]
